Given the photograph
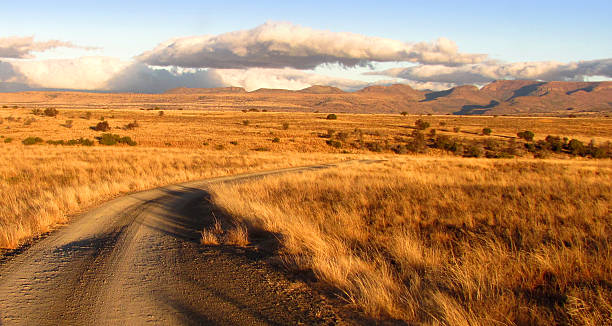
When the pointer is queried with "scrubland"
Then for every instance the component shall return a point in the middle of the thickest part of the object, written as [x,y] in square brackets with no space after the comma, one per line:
[450,241]
[428,237]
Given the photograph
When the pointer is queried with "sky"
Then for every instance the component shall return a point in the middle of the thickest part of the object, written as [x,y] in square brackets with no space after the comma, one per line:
[150,46]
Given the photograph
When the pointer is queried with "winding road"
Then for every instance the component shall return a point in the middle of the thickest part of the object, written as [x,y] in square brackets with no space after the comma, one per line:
[138,260]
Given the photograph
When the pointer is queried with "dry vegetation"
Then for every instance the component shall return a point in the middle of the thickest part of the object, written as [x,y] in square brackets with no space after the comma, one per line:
[433,238]
[40,185]
[447,240]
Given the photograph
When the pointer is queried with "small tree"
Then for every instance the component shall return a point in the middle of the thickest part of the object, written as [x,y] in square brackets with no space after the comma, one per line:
[527,135]
[486,131]
[331,116]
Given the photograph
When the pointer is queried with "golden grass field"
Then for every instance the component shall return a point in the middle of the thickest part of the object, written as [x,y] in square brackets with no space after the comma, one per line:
[450,241]
[430,238]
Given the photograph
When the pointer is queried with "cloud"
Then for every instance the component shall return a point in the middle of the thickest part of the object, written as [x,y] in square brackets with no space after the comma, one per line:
[140,78]
[104,74]
[281,45]
[487,72]
[255,78]
[22,47]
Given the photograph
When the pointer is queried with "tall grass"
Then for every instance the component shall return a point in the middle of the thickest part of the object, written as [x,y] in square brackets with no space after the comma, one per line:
[446,240]
[41,185]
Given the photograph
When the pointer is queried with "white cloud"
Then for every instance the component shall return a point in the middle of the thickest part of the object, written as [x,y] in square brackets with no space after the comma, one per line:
[281,45]
[486,72]
[22,47]
[103,73]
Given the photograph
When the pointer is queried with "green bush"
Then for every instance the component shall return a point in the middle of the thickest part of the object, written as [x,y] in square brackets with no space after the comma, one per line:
[576,147]
[486,131]
[526,135]
[331,116]
[32,141]
[245,122]
[233,142]
[101,126]
[553,143]
[8,140]
[113,139]
[276,140]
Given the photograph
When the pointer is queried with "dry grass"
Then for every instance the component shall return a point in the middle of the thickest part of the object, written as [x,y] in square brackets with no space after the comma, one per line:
[448,240]
[41,185]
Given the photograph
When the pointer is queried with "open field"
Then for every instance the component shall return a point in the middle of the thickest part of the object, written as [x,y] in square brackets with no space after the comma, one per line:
[41,185]
[446,240]
[43,182]
[428,237]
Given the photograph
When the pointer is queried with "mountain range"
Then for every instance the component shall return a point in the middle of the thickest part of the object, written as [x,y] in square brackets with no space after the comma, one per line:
[496,98]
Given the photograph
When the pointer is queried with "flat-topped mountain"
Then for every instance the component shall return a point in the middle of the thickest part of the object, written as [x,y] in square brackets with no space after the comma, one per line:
[498,97]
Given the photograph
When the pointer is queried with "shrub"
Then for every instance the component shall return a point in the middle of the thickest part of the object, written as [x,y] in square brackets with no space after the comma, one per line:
[333,143]
[374,147]
[67,124]
[37,112]
[219,147]
[553,143]
[285,125]
[276,140]
[404,113]
[233,142]
[161,113]
[55,142]
[51,112]
[486,131]
[29,121]
[456,129]
[491,144]
[245,122]
[101,126]
[526,135]
[473,151]
[8,140]
[331,116]
[421,125]
[112,139]
[87,116]
[576,147]
[432,133]
[261,149]
[133,125]
[32,141]
[342,136]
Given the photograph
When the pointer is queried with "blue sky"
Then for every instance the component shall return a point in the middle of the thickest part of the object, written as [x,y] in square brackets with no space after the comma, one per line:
[508,31]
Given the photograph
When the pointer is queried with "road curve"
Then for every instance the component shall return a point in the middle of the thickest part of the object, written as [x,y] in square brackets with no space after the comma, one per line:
[137,260]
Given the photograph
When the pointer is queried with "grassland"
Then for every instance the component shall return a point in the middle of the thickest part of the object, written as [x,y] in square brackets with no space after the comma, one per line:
[428,237]
[450,241]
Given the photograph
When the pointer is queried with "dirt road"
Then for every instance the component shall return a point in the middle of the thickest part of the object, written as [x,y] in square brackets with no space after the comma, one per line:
[137,260]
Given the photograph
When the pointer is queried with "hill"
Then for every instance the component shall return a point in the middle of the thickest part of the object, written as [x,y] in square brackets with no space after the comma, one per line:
[499,97]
